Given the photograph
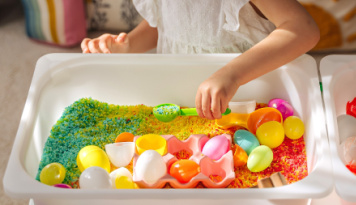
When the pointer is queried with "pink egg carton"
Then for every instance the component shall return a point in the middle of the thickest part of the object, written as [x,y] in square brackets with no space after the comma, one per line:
[224,167]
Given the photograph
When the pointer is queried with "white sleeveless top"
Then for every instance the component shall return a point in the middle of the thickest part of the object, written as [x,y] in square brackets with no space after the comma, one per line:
[201,26]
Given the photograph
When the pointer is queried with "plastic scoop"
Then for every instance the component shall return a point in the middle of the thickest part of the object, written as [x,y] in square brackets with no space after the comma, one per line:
[240,111]
[243,115]
[168,112]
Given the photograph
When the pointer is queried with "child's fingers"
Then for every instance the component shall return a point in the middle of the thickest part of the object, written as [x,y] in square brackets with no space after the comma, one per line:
[105,43]
[121,38]
[198,104]
[206,106]
[94,46]
[224,105]
[216,108]
[84,45]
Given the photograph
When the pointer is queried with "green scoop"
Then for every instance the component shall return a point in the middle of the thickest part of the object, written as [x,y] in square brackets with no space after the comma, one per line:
[168,112]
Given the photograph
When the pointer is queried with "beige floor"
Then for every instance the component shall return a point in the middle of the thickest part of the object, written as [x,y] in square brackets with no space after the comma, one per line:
[18,56]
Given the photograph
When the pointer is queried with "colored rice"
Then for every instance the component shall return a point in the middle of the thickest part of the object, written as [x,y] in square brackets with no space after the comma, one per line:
[90,122]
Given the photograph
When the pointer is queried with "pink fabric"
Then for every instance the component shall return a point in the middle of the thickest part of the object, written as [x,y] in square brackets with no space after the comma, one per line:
[74,21]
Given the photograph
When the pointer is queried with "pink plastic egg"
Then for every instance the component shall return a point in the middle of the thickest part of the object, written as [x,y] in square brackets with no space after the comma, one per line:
[282,106]
[63,186]
[216,147]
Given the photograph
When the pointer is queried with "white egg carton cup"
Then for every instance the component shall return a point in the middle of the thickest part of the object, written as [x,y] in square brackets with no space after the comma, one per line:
[224,167]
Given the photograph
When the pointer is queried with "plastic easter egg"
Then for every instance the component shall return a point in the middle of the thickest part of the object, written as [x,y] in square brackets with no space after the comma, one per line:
[240,156]
[260,158]
[151,142]
[63,186]
[150,167]
[351,107]
[270,134]
[92,156]
[246,140]
[124,182]
[348,150]
[262,115]
[125,137]
[216,147]
[122,171]
[184,170]
[120,154]
[52,174]
[95,178]
[293,127]
[282,106]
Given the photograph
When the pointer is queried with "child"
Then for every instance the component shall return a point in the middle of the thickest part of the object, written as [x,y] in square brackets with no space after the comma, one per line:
[218,26]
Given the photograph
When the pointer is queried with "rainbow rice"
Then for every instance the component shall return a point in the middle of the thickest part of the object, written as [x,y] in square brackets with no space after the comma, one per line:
[90,122]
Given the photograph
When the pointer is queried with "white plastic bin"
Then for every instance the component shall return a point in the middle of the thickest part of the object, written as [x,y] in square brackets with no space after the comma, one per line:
[338,75]
[151,79]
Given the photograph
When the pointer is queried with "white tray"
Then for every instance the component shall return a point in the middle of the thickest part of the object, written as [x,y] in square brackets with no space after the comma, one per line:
[338,75]
[151,79]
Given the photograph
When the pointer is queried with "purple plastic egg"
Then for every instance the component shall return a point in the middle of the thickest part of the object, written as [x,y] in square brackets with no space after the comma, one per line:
[282,106]
[216,147]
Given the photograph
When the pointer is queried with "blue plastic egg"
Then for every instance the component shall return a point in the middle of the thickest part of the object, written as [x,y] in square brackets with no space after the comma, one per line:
[246,140]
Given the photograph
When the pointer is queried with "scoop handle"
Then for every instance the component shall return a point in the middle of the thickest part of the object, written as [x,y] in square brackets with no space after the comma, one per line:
[193,112]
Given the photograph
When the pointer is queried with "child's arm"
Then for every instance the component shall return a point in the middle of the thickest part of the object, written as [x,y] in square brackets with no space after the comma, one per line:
[141,39]
[295,34]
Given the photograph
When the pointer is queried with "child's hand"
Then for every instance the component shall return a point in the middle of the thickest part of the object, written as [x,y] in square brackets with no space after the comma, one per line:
[106,43]
[214,94]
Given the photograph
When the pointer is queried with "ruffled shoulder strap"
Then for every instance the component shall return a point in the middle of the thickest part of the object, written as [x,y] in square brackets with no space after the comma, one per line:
[231,10]
[149,10]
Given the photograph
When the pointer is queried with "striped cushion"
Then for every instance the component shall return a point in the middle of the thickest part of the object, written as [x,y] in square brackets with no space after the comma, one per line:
[57,22]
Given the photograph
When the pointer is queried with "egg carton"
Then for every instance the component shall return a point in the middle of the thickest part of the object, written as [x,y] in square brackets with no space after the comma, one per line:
[224,167]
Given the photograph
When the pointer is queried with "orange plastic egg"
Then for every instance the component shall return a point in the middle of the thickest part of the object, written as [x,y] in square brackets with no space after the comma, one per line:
[262,115]
[124,137]
[240,156]
[184,170]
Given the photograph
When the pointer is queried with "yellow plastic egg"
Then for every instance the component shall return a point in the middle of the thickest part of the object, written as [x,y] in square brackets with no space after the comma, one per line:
[259,159]
[293,127]
[52,174]
[92,155]
[270,134]
[151,142]
[124,182]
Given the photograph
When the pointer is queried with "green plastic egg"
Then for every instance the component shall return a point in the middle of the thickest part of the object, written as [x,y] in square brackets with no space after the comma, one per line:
[260,158]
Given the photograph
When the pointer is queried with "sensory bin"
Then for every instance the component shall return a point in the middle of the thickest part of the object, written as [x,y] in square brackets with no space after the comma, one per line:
[338,83]
[91,122]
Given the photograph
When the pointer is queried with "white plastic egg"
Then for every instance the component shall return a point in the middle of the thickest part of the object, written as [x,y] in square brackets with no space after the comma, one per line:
[150,167]
[120,154]
[95,178]
[122,171]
